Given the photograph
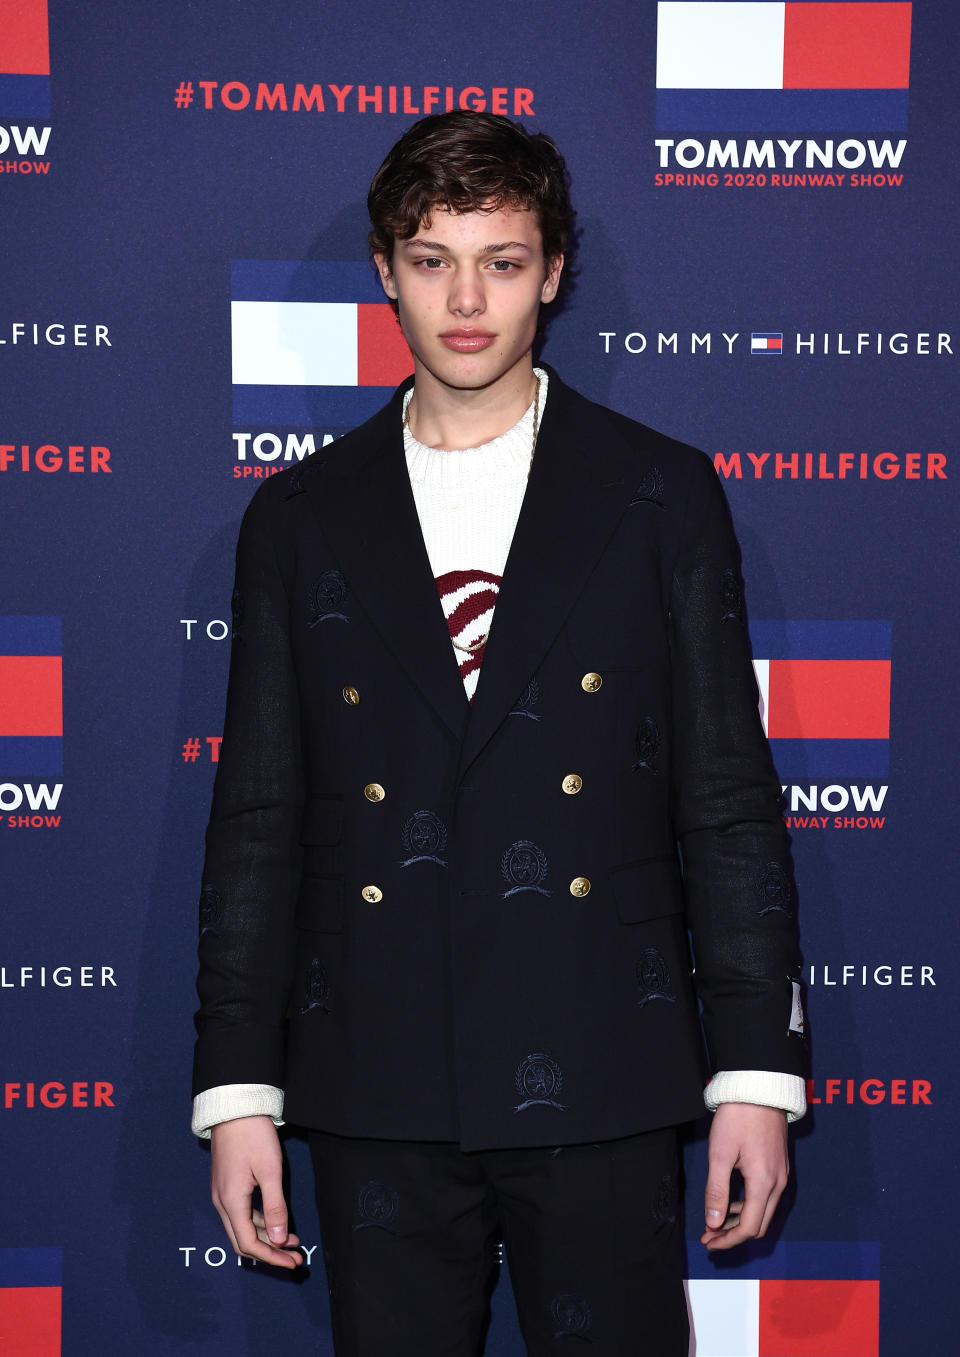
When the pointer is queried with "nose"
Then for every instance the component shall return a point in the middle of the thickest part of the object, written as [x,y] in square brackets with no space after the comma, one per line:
[466,297]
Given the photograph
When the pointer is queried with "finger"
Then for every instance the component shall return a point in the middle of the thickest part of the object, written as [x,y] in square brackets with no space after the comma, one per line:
[733,1215]
[234,1242]
[749,1221]
[730,1221]
[716,1197]
[225,1219]
[772,1202]
[244,1235]
[292,1239]
[274,1209]
[261,1224]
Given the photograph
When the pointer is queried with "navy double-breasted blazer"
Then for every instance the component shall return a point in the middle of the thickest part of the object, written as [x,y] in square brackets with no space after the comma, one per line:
[409,921]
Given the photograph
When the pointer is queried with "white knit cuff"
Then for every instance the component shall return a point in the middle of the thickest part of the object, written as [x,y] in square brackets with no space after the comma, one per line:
[767,1088]
[226,1102]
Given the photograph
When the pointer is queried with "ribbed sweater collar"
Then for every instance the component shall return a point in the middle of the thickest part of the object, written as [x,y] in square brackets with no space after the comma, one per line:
[503,458]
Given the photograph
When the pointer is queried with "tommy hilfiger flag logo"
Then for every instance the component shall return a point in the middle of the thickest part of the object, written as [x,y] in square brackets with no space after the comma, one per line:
[31,695]
[801,1299]
[30,1301]
[825,696]
[24,59]
[314,343]
[766,341]
[779,67]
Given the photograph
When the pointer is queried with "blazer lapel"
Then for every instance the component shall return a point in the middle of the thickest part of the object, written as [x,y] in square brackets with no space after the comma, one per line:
[574,499]
[367,511]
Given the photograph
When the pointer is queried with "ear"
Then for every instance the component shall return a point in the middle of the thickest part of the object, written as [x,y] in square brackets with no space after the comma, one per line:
[386,275]
[552,281]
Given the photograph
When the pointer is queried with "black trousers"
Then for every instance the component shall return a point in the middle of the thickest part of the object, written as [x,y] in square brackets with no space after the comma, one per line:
[592,1235]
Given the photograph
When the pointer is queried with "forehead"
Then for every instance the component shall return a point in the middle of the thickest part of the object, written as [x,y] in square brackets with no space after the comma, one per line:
[481,228]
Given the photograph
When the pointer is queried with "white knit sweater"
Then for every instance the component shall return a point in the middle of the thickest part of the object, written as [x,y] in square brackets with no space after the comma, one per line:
[468,502]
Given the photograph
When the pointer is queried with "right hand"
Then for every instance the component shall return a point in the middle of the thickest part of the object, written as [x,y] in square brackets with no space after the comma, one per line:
[246,1154]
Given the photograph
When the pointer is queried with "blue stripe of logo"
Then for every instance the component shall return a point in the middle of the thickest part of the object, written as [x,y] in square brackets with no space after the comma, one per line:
[25,96]
[772,111]
[21,635]
[308,407]
[311,280]
[799,760]
[775,640]
[21,754]
[801,1260]
[30,1267]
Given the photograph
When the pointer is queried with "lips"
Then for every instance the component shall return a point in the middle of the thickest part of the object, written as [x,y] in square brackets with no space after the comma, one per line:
[467,341]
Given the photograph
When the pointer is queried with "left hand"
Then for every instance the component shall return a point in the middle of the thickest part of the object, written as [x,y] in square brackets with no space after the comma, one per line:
[754,1140]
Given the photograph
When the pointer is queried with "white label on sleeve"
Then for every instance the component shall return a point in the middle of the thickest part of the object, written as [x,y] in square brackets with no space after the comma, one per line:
[797,1023]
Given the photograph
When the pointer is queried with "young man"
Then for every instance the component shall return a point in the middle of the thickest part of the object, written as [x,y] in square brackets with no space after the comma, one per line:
[490,668]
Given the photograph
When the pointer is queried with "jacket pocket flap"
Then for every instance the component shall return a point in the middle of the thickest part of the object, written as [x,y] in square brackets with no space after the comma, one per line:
[320,904]
[322,820]
[648,889]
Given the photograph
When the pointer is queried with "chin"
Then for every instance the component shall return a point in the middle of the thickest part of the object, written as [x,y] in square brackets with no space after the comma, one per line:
[475,373]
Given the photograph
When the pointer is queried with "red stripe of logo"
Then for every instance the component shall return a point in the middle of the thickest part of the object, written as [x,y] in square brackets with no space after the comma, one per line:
[383,358]
[24,44]
[829,700]
[818,1318]
[862,46]
[31,695]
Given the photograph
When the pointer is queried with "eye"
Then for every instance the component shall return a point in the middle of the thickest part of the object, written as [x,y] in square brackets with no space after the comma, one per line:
[431,263]
[503,266]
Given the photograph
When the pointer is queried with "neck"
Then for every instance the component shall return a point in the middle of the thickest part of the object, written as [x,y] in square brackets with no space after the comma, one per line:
[441,416]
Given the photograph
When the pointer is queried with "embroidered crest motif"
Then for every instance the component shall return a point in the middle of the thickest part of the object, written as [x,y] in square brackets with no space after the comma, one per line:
[773,888]
[236,612]
[539,1081]
[653,978]
[211,909]
[530,697]
[424,838]
[650,489]
[667,1200]
[296,485]
[648,745]
[571,1314]
[377,1206]
[731,596]
[316,992]
[523,867]
[326,600]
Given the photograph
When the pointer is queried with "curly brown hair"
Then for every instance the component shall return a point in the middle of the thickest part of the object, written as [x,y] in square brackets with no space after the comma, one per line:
[465,161]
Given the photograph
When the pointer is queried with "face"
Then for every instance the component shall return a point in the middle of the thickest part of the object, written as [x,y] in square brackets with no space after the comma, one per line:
[469,287]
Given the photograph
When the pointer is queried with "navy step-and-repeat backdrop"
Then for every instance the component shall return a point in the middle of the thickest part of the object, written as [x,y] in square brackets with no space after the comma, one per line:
[768,202]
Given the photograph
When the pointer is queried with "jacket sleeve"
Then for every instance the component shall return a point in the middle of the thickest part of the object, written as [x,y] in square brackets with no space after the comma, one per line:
[738,875]
[253,855]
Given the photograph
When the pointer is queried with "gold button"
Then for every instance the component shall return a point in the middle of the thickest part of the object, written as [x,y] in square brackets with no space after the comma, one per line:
[572,783]
[591,682]
[374,792]
[580,886]
[350,696]
[372,893]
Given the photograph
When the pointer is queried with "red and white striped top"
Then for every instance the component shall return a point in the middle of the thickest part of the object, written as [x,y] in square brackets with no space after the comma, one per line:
[468,598]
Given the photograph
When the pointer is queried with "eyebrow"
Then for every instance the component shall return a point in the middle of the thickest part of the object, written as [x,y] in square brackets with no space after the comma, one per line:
[499,248]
